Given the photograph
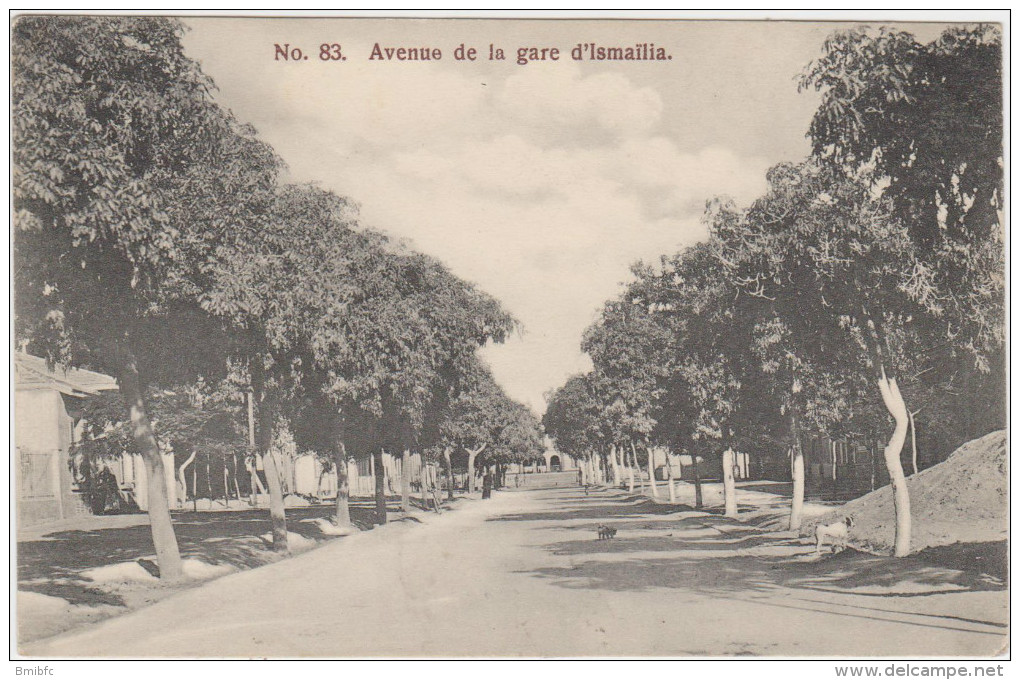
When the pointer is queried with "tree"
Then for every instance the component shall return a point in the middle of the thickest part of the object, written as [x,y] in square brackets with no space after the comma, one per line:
[273,286]
[319,426]
[846,268]
[708,330]
[395,352]
[485,423]
[928,117]
[925,122]
[193,420]
[806,375]
[125,176]
[574,418]
[631,355]
[816,386]
[518,439]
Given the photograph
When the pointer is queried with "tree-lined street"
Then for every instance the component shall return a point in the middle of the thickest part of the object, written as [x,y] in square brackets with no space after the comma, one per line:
[248,339]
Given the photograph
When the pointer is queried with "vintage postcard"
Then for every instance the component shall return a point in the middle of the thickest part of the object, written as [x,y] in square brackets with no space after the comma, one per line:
[508,338]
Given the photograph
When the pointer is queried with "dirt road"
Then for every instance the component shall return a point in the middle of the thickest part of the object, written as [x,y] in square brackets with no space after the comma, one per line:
[522,575]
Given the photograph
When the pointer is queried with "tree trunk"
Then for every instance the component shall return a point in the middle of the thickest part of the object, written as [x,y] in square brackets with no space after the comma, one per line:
[184,478]
[621,464]
[342,517]
[168,555]
[436,484]
[729,485]
[255,482]
[913,441]
[471,471]
[636,467]
[226,485]
[318,481]
[615,465]
[893,401]
[797,472]
[423,474]
[630,470]
[237,487]
[405,481]
[380,486]
[669,479]
[651,472]
[699,500]
[471,466]
[449,473]
[277,513]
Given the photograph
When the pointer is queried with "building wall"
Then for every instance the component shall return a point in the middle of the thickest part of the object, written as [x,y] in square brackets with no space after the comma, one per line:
[43,434]
[360,479]
[566,462]
[311,480]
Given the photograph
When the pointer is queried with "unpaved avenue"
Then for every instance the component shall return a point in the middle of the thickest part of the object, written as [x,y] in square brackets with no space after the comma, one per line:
[521,575]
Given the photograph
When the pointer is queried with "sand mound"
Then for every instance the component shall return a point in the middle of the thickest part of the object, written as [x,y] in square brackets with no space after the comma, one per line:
[329,529]
[121,572]
[200,570]
[961,500]
[295,542]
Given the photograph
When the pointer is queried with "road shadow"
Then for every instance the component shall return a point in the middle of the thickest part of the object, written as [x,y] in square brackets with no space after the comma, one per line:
[784,489]
[53,564]
[597,506]
[676,547]
[761,562]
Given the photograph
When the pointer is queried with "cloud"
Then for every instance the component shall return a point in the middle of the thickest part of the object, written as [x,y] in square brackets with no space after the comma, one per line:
[551,231]
[542,183]
[556,100]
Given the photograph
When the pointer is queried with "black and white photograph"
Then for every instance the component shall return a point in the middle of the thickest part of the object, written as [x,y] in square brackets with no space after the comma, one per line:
[509,337]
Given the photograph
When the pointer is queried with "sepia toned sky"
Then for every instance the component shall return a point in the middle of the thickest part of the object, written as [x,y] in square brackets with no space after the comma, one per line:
[540,183]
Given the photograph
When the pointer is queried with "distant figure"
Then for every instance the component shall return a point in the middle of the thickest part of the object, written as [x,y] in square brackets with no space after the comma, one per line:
[487,485]
[586,489]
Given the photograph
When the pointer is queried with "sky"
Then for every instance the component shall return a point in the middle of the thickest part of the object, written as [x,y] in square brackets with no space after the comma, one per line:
[540,183]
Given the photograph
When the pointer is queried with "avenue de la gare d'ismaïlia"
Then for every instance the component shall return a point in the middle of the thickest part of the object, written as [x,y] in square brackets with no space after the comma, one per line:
[587,51]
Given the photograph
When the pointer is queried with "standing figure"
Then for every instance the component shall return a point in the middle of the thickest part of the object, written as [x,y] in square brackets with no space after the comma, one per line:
[487,484]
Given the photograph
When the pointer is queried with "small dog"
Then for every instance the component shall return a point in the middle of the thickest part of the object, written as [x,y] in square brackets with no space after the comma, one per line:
[835,533]
[605,533]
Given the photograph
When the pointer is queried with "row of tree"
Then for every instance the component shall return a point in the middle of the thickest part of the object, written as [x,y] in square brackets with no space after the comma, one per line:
[155,241]
[865,287]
